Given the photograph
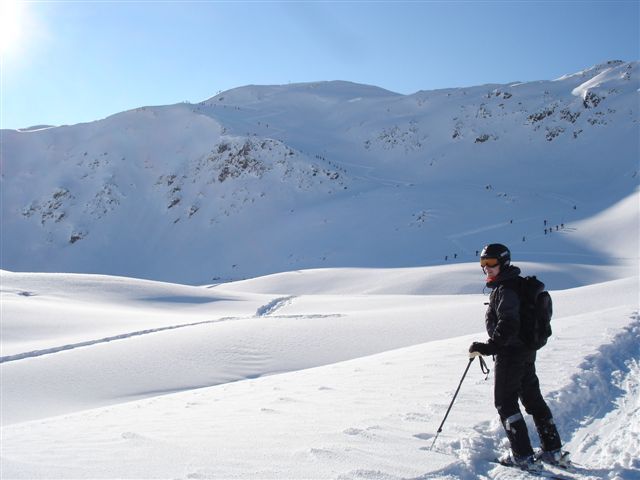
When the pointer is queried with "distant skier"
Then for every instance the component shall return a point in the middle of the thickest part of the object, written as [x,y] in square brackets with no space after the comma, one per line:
[515,372]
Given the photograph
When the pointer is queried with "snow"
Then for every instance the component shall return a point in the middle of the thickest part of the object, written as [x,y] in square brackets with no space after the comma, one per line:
[315,332]
[271,179]
[317,386]
[344,374]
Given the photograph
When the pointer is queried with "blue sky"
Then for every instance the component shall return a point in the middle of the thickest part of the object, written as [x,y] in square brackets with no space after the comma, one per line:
[77,61]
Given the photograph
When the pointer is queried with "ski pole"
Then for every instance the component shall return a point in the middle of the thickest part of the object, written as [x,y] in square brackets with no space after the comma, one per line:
[472,356]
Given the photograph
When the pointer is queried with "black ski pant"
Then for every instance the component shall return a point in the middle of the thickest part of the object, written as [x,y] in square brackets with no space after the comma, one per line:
[516,379]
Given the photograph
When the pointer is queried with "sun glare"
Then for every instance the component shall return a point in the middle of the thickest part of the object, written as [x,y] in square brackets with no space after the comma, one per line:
[11,26]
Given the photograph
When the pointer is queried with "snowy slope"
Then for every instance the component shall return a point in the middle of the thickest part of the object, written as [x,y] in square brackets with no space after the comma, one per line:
[346,374]
[267,179]
[369,417]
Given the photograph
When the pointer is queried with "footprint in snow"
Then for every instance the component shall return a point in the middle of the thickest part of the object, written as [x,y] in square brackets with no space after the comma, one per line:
[367,434]
[287,400]
[417,417]
[323,453]
[367,475]
[197,475]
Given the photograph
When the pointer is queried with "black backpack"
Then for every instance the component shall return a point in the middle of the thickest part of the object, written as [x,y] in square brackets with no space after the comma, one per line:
[536,309]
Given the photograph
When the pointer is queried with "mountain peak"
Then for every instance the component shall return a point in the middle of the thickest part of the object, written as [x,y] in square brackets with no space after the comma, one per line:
[595,69]
[331,90]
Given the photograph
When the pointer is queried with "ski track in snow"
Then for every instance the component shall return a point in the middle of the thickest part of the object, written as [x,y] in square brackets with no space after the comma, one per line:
[266,310]
[124,336]
[273,306]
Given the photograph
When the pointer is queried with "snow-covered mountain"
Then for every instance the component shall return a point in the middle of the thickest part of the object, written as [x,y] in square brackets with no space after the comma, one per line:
[344,372]
[265,179]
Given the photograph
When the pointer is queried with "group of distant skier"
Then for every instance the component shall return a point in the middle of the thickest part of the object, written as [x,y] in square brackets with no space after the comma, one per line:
[548,229]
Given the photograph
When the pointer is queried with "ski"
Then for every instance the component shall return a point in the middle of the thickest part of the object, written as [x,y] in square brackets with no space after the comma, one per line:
[572,469]
[542,473]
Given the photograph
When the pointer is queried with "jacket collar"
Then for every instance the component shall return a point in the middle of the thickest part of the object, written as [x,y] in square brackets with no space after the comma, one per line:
[507,274]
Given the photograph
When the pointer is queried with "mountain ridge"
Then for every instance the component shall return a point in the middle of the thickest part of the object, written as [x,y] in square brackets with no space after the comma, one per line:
[319,175]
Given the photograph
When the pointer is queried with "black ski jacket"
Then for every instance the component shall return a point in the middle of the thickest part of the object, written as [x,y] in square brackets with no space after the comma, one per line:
[503,314]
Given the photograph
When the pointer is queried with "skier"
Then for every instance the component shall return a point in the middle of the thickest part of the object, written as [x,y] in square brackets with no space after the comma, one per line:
[515,371]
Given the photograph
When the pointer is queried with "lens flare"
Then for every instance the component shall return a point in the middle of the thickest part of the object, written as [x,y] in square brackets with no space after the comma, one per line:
[11,25]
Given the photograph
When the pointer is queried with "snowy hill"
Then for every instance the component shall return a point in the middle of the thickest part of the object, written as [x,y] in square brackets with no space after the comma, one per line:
[266,179]
[107,377]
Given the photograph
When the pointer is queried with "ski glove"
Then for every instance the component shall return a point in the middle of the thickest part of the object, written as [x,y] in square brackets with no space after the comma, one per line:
[483,348]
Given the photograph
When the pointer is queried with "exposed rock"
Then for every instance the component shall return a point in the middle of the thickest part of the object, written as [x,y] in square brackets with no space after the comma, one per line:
[591,100]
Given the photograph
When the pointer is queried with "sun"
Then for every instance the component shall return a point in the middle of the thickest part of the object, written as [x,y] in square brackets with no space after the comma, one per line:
[11,25]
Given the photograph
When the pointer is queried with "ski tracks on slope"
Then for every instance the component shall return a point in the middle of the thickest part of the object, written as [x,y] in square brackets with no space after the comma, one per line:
[123,336]
[267,310]
[270,310]
[273,306]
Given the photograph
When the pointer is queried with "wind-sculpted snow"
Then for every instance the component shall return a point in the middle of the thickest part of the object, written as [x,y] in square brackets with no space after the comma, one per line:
[599,408]
[304,386]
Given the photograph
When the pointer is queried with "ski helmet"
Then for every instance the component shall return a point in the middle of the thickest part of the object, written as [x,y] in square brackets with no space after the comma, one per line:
[497,251]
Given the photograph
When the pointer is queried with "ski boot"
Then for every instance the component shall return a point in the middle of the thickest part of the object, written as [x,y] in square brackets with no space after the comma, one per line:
[556,458]
[528,463]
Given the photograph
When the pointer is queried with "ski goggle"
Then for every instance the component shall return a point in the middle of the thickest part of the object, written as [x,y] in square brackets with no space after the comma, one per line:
[489,262]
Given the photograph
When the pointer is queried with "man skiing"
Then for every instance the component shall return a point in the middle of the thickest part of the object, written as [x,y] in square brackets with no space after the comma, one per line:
[515,372]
